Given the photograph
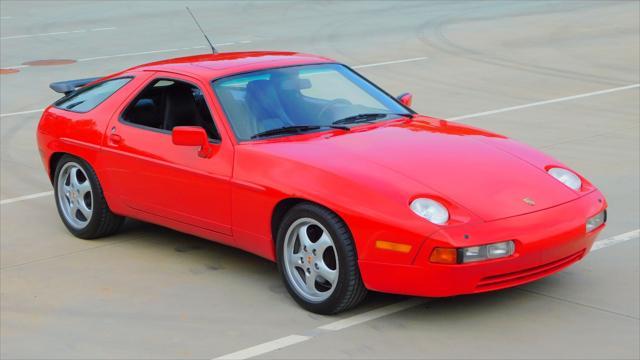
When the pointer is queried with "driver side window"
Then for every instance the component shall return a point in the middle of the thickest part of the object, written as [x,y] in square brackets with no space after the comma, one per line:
[167,103]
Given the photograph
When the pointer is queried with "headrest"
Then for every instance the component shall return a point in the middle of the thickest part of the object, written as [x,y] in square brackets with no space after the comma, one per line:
[145,104]
[296,84]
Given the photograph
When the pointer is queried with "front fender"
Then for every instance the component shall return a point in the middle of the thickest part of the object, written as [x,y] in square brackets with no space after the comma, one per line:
[373,203]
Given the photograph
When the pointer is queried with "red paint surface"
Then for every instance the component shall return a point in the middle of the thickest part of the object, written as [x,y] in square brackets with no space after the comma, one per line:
[368,176]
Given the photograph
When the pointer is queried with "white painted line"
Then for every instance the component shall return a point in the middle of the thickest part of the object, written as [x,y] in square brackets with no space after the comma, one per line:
[378,313]
[26,197]
[56,33]
[286,341]
[103,29]
[372,315]
[159,51]
[545,102]
[21,112]
[601,244]
[390,62]
[266,347]
[16,67]
[127,54]
[141,52]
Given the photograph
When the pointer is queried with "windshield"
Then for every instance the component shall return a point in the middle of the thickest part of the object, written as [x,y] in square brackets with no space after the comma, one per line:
[308,95]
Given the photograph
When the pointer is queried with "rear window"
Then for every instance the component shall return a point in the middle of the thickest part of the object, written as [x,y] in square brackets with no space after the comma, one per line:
[88,98]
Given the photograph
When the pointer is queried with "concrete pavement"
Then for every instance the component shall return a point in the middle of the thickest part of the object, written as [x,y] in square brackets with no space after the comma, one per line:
[150,292]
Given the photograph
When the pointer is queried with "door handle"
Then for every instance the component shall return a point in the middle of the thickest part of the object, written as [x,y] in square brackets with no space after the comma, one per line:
[115,139]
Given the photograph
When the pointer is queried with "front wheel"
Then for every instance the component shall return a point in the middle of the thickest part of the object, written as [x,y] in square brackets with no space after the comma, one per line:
[317,260]
[80,201]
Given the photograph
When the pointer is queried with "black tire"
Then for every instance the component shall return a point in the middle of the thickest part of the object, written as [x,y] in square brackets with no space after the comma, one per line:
[102,222]
[349,290]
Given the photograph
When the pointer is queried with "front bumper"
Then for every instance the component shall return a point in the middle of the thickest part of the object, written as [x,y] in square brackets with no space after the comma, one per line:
[546,242]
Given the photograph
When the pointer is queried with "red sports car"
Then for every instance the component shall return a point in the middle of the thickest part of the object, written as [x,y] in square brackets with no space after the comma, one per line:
[303,161]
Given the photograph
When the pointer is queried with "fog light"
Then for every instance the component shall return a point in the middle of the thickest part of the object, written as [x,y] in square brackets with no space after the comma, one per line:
[486,252]
[596,221]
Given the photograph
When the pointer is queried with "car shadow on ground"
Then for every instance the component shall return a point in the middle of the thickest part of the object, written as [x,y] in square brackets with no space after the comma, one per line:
[204,257]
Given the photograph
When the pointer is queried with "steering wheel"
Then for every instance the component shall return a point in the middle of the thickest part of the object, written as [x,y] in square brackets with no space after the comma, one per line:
[331,104]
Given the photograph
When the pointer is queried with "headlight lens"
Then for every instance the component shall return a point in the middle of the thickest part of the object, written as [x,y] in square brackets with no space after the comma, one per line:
[486,252]
[566,177]
[596,221]
[430,210]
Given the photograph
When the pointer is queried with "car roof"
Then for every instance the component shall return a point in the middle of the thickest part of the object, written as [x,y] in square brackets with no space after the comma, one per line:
[211,66]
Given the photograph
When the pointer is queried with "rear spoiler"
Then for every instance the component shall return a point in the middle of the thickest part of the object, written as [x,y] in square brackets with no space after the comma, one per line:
[69,86]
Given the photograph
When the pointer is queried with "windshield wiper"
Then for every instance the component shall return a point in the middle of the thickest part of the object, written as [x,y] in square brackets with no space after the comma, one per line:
[368,117]
[295,129]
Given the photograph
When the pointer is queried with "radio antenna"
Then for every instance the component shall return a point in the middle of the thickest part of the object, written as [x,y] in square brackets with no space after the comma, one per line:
[213,49]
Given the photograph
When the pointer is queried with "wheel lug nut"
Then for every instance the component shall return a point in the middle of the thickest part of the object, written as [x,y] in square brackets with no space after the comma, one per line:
[309,271]
[314,251]
[305,249]
[316,266]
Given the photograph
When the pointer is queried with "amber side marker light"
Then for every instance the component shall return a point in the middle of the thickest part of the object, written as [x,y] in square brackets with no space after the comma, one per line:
[444,256]
[393,246]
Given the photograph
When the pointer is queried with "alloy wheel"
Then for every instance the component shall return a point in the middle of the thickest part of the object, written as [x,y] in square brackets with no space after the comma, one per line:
[310,260]
[75,195]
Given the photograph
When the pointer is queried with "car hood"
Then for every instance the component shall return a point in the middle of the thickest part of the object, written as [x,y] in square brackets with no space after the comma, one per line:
[488,174]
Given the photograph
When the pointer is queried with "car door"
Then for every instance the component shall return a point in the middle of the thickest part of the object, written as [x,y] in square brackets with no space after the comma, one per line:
[156,177]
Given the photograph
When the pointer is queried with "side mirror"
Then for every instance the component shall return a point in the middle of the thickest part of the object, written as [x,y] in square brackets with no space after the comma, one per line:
[406,99]
[192,136]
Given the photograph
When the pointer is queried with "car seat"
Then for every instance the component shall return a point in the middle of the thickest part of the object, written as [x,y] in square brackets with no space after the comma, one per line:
[265,106]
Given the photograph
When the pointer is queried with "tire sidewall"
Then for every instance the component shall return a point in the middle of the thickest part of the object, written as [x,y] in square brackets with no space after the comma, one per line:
[309,211]
[97,201]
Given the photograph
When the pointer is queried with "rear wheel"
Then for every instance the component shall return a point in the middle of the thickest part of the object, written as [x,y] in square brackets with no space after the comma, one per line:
[318,261]
[80,200]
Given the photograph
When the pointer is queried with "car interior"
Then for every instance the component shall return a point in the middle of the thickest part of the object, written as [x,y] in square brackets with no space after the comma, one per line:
[277,101]
[264,104]
[253,105]
[165,104]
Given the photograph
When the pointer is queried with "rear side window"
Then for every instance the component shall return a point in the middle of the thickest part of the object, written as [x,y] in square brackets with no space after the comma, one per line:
[88,98]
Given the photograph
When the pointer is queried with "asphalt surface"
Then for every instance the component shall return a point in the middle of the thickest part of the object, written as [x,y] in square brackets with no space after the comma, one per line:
[150,292]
